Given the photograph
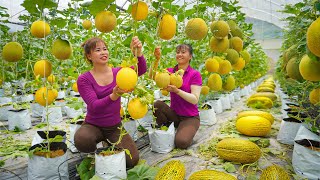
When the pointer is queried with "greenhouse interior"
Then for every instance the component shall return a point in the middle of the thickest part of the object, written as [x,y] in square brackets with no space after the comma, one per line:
[160,89]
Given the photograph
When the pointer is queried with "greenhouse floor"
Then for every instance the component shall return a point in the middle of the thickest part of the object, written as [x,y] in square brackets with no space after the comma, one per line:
[196,157]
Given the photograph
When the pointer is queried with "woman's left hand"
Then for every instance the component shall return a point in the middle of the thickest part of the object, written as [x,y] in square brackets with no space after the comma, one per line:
[136,46]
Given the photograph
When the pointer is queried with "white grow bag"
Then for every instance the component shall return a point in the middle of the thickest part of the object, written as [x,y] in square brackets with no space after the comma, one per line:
[20,119]
[112,167]
[162,141]
[306,162]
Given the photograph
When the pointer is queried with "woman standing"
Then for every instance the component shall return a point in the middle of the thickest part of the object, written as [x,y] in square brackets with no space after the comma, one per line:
[98,89]
[183,110]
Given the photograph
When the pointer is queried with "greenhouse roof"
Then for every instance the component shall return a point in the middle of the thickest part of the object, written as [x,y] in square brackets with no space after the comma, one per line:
[265,10]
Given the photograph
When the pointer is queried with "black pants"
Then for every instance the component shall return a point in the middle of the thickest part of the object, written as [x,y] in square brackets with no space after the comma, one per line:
[88,136]
[187,127]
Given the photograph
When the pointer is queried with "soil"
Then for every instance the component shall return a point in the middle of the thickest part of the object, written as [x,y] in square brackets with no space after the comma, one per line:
[51,154]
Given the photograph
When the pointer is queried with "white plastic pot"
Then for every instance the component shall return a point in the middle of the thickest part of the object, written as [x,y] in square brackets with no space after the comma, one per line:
[236,95]
[4,110]
[62,104]
[131,127]
[54,115]
[73,129]
[231,97]
[73,93]
[305,161]
[216,105]
[162,141]
[157,94]
[49,168]
[208,116]
[244,92]
[112,167]
[288,130]
[147,120]
[61,94]
[72,113]
[36,110]
[41,136]
[19,118]
[27,98]
[225,102]
[1,92]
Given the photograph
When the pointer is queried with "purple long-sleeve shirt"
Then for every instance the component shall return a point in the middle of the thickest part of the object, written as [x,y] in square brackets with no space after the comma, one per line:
[178,104]
[101,110]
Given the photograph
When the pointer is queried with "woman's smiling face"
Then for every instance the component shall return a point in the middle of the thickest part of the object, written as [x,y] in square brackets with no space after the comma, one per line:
[99,54]
[183,55]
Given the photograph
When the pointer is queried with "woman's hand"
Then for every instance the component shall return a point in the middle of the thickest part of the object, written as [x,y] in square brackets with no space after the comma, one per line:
[117,92]
[172,88]
[136,46]
[157,53]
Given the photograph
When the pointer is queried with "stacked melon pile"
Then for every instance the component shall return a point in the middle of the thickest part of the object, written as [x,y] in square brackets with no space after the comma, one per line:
[227,42]
[264,96]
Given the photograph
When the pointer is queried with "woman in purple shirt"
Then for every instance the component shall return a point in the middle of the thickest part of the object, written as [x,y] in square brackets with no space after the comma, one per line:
[183,110]
[98,89]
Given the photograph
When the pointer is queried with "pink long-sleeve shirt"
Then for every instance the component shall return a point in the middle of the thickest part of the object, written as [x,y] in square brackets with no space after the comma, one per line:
[177,103]
[101,110]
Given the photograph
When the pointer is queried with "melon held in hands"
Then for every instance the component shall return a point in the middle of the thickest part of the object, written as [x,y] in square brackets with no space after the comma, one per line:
[126,78]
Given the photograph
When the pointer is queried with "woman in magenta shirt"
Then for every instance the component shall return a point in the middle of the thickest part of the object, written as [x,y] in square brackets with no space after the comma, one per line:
[183,110]
[98,89]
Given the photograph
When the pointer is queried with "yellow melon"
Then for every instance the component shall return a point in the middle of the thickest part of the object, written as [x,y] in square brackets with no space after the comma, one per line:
[309,69]
[75,87]
[176,80]
[61,49]
[230,83]
[173,170]
[51,78]
[215,82]
[105,21]
[164,92]
[232,56]
[260,102]
[12,52]
[245,55]
[313,37]
[205,90]
[167,27]
[292,69]
[137,109]
[126,78]
[86,24]
[196,29]
[236,43]
[42,96]
[139,11]
[274,172]
[270,95]
[212,65]
[43,68]
[220,29]
[314,96]
[224,67]
[238,150]
[219,45]
[211,175]
[253,126]
[239,65]
[256,113]
[40,29]
[162,79]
